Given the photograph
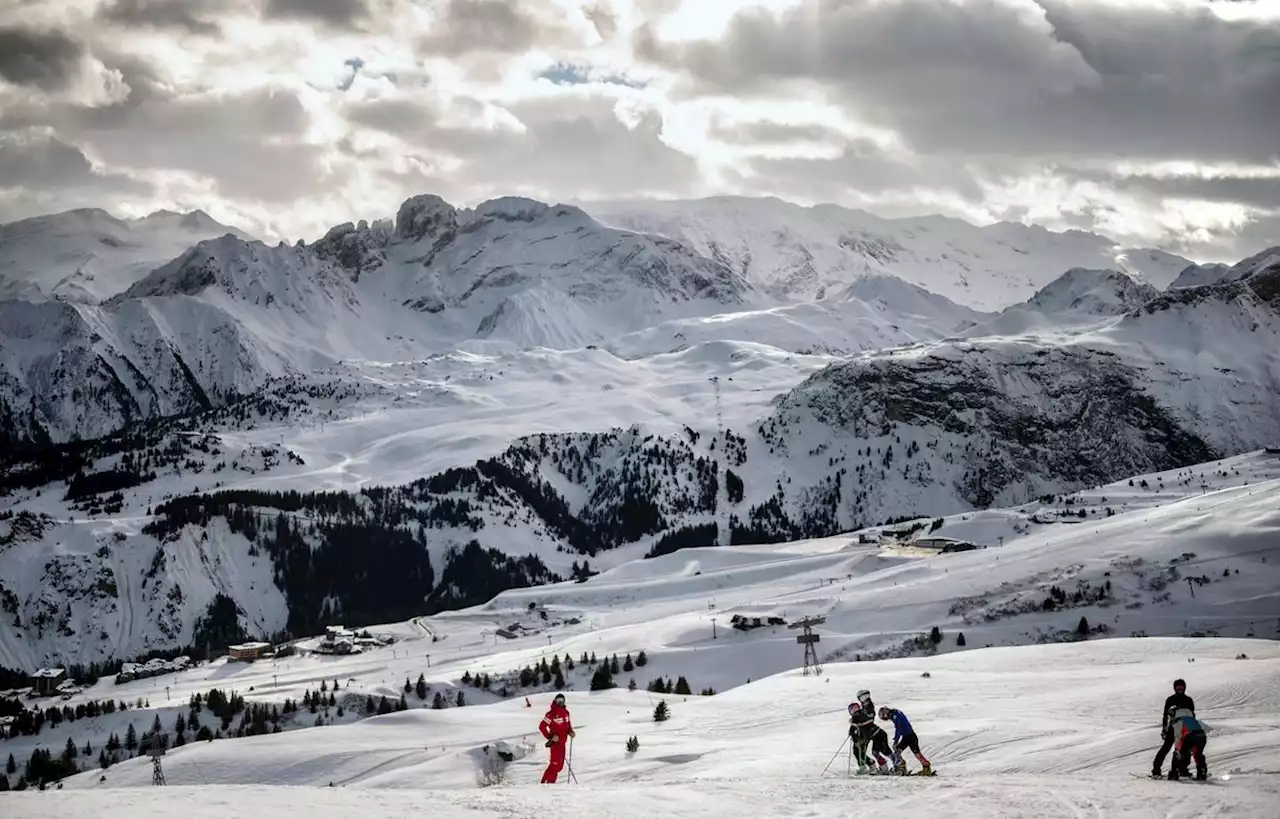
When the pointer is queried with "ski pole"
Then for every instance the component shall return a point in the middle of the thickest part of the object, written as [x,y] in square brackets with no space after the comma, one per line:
[572,775]
[833,757]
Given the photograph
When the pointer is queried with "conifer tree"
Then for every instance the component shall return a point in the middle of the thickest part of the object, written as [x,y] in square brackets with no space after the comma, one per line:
[661,713]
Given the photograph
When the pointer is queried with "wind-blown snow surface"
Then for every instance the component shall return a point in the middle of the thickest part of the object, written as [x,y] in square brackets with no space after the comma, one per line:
[796,251]
[1014,730]
[89,256]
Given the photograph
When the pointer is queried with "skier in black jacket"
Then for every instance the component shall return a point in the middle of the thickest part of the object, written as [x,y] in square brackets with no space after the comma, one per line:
[866,735]
[1178,699]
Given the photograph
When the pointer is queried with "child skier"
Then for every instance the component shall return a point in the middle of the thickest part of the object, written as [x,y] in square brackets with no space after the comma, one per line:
[864,733]
[1178,699]
[1190,740]
[556,727]
[904,736]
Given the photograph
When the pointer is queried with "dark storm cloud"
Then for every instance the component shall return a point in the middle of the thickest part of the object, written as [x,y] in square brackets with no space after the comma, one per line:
[997,77]
[1255,191]
[46,163]
[758,132]
[339,13]
[46,59]
[571,143]
[503,26]
[183,15]
[33,168]
[249,143]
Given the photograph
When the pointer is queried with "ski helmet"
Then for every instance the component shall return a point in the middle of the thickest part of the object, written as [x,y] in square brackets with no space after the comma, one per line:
[886,712]
[854,707]
[559,700]
[1179,685]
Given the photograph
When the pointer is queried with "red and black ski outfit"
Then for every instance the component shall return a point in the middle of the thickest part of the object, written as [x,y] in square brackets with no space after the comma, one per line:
[556,728]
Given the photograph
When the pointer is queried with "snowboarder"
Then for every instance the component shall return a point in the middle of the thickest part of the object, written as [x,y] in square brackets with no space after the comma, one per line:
[1190,740]
[865,734]
[904,736]
[556,728]
[1178,699]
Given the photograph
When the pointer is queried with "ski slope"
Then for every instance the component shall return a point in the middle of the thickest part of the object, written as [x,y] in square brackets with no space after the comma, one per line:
[1033,731]
[1034,721]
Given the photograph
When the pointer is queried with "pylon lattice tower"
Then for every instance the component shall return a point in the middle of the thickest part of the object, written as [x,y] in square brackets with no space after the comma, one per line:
[157,771]
[809,640]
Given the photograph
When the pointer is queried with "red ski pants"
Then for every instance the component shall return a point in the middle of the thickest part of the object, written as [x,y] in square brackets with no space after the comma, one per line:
[557,762]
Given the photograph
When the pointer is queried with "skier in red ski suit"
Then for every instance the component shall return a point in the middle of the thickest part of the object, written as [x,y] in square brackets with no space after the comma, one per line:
[556,728]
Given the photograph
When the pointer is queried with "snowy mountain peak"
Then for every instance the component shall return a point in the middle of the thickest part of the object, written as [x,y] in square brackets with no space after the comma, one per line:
[1200,275]
[1094,292]
[902,298]
[425,216]
[248,271]
[88,255]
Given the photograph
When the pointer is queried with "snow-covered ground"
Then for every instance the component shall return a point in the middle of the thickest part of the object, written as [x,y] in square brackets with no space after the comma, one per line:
[1041,731]
[1017,721]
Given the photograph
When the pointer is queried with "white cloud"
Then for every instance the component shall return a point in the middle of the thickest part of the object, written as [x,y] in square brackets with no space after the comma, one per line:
[1154,120]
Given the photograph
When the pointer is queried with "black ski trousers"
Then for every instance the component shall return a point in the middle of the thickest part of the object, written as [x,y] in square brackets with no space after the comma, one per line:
[1167,744]
[869,736]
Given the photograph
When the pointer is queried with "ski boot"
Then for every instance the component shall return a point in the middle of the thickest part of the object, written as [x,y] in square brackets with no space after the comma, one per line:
[927,770]
[900,768]
[1156,773]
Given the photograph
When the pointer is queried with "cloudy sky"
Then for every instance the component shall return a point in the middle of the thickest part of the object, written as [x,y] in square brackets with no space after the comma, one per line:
[1154,121]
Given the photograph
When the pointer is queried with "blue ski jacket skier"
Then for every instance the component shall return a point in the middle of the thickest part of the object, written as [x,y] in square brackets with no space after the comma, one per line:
[901,725]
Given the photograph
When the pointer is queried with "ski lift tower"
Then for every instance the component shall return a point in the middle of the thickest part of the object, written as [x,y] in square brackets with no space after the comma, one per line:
[156,752]
[809,640]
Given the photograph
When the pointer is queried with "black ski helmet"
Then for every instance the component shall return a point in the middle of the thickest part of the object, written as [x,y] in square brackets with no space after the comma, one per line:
[1179,685]
[558,700]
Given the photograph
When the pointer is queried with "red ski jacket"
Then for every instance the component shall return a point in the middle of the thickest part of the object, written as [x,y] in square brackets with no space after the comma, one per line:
[556,722]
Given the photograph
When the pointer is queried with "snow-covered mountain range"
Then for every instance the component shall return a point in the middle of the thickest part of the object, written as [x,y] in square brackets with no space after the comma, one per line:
[496,395]
[88,255]
[806,252]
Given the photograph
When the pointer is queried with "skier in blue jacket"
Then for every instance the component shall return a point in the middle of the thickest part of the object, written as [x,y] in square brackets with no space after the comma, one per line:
[904,736]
